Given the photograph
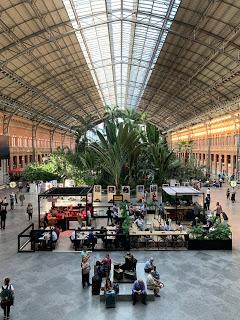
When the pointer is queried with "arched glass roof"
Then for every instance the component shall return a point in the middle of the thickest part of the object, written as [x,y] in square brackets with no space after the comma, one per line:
[121,43]
[63,61]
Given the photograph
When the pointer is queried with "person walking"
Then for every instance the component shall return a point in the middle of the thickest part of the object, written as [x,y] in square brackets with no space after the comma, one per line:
[208,193]
[5,203]
[228,193]
[3,214]
[207,202]
[7,297]
[85,271]
[12,198]
[20,186]
[233,196]
[16,197]
[218,210]
[21,198]
[29,211]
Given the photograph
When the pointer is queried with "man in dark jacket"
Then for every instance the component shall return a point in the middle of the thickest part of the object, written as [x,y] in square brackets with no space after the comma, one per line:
[109,215]
[3,214]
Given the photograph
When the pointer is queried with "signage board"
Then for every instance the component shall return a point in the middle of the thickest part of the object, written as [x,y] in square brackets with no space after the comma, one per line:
[111,190]
[117,198]
[140,192]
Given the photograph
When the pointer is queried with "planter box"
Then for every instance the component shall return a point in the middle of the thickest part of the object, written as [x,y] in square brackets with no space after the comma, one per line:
[210,244]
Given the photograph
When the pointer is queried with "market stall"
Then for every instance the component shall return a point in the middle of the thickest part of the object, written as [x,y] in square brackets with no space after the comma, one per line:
[67,204]
[181,201]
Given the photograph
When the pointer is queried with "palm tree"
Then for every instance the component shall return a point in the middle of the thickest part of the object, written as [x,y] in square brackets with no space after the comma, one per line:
[87,124]
[117,149]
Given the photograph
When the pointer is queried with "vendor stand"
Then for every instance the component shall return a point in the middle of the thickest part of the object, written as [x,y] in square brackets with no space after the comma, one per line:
[67,205]
[180,211]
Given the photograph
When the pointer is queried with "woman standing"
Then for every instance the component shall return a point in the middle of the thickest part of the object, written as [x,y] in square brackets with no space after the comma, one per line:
[85,271]
[7,297]
[29,211]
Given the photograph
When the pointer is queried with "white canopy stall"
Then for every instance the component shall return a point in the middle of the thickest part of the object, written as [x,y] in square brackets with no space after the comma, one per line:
[179,191]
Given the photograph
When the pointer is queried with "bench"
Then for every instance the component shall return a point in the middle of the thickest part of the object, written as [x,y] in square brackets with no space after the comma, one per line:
[125,289]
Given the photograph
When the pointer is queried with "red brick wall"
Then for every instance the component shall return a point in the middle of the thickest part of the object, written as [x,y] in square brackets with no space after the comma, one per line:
[20,139]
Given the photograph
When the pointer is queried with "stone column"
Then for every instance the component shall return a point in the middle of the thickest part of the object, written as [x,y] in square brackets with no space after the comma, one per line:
[238,156]
[225,164]
[215,164]
[51,140]
[34,142]
[232,165]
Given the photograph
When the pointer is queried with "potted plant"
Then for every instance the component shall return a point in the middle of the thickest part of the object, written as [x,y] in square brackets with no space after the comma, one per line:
[218,238]
[126,223]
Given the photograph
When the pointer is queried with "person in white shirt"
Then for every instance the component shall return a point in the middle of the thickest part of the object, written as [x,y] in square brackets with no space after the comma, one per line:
[7,297]
[153,284]
[54,236]
[140,223]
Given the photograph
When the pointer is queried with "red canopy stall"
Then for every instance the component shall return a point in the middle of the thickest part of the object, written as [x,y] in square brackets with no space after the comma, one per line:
[68,204]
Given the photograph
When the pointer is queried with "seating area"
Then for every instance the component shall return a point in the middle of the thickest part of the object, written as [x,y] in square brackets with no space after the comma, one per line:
[157,239]
[125,289]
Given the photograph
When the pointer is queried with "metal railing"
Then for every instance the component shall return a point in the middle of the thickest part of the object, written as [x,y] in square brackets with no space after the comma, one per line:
[24,239]
[30,240]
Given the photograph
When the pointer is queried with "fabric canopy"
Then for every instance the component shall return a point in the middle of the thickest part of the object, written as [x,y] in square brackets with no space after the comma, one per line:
[173,191]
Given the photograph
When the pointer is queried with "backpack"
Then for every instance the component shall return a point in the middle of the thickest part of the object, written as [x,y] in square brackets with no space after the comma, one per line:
[7,295]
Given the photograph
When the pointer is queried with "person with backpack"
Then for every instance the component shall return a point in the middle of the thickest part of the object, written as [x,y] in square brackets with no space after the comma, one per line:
[7,297]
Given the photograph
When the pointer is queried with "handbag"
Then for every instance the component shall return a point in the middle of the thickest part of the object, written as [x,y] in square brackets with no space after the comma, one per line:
[161,284]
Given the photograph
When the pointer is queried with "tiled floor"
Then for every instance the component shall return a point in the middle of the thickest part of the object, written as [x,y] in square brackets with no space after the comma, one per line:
[198,285]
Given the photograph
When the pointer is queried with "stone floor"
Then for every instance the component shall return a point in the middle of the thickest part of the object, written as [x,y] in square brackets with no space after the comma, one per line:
[198,285]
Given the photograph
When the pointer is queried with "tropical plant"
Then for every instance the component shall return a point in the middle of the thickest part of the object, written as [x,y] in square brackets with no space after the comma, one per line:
[221,231]
[117,149]
[197,232]
[126,219]
[161,159]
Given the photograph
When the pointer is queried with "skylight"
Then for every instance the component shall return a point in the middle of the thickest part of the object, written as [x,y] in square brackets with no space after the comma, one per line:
[121,41]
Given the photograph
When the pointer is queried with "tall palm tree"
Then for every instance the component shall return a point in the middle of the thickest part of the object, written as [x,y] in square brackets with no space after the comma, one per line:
[116,148]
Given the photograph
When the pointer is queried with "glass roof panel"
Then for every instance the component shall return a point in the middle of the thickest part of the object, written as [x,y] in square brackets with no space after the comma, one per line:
[121,41]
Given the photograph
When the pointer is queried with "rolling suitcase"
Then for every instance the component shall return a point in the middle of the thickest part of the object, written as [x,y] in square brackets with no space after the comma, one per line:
[110,299]
[96,285]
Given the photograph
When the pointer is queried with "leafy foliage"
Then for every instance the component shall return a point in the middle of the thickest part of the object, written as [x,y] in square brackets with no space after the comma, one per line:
[40,172]
[220,231]
[127,151]
[126,219]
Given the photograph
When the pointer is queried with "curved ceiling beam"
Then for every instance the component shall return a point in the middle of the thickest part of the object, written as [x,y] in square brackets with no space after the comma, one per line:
[220,48]
[30,113]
